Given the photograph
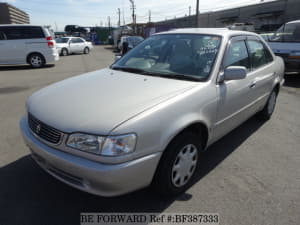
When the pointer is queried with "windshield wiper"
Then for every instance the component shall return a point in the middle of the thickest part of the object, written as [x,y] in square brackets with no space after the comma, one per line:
[136,70]
[181,77]
[163,75]
[128,69]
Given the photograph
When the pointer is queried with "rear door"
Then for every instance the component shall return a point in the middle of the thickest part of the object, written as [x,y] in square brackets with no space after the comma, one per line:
[262,71]
[13,48]
[36,40]
[3,46]
[81,44]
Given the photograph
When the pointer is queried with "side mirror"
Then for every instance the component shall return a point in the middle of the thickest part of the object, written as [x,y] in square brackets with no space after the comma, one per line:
[117,57]
[235,73]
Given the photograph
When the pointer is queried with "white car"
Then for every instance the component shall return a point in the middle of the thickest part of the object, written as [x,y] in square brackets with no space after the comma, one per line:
[70,45]
[27,44]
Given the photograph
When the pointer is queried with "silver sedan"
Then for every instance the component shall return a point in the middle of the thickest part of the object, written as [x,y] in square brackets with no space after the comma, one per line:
[146,119]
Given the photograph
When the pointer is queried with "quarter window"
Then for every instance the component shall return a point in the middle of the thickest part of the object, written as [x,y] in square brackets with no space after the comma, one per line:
[237,55]
[259,54]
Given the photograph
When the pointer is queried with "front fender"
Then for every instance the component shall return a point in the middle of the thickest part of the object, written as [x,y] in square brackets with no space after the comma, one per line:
[157,126]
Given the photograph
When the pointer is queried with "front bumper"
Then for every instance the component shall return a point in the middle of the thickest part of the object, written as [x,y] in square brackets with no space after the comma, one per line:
[90,176]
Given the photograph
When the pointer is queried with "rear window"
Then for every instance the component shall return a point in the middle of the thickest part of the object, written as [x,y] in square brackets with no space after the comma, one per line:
[15,33]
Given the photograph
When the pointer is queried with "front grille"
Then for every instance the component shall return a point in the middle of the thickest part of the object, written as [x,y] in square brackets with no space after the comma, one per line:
[43,130]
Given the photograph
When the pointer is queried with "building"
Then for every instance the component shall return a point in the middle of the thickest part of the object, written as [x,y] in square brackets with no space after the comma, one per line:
[265,16]
[12,15]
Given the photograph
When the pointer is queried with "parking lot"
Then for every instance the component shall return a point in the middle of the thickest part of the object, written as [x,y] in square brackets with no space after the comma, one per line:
[251,176]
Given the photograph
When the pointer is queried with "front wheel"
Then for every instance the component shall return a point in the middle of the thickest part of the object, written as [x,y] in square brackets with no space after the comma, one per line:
[268,110]
[64,52]
[86,50]
[178,165]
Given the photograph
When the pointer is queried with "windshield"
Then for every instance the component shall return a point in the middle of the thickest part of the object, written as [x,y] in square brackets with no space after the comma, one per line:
[181,55]
[62,40]
[289,32]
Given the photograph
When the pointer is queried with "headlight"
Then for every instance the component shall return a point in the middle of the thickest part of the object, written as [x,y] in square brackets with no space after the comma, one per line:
[86,142]
[107,146]
[119,145]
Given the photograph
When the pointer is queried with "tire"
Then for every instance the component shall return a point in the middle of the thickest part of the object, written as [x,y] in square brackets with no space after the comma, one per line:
[36,60]
[64,52]
[268,109]
[86,50]
[178,164]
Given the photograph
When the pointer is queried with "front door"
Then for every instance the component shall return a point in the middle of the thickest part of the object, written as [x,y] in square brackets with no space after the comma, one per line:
[234,95]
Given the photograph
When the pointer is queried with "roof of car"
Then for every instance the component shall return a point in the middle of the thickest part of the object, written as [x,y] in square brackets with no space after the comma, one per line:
[212,31]
[295,21]
[19,25]
[71,37]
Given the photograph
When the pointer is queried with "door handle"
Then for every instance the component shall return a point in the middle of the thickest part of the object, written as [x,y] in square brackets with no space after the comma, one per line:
[253,84]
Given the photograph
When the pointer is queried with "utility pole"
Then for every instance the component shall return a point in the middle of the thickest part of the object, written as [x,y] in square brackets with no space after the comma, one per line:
[190,8]
[133,13]
[123,17]
[197,14]
[108,22]
[119,14]
[149,16]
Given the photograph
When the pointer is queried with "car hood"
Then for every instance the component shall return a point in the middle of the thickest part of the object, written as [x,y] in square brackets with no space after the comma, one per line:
[99,101]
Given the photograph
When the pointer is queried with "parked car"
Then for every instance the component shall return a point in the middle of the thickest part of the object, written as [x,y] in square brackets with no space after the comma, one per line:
[129,42]
[242,26]
[70,45]
[121,41]
[27,44]
[285,42]
[146,119]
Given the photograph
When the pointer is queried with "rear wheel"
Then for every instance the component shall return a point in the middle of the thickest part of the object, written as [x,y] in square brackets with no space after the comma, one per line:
[36,60]
[268,110]
[86,50]
[178,165]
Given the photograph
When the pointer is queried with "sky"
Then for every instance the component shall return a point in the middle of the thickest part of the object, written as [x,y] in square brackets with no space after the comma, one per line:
[59,13]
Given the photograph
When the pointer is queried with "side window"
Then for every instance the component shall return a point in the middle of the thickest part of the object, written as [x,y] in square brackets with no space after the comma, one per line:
[268,54]
[79,40]
[13,33]
[278,36]
[257,54]
[292,32]
[237,55]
